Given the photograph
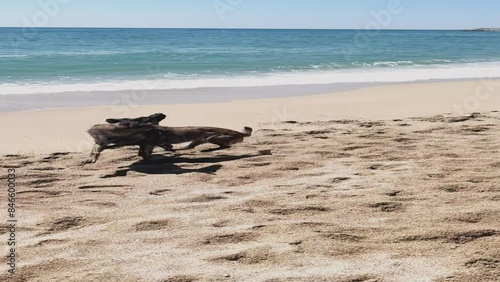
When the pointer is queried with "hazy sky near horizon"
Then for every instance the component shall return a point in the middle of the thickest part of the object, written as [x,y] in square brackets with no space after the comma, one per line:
[334,14]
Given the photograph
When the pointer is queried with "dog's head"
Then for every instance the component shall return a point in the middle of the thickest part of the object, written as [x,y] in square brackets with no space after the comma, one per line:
[128,122]
[156,118]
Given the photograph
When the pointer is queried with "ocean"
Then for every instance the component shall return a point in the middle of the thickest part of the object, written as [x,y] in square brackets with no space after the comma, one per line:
[52,60]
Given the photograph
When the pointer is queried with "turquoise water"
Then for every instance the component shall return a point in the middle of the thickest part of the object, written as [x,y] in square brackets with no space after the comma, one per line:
[57,60]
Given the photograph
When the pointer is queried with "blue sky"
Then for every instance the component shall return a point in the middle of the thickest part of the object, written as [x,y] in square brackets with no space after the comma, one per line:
[405,14]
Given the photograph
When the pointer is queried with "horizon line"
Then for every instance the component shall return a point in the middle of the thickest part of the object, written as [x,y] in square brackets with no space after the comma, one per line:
[241,28]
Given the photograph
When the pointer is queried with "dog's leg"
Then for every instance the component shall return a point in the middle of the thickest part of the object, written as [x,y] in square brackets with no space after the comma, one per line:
[192,145]
[96,152]
[224,141]
[167,147]
[146,150]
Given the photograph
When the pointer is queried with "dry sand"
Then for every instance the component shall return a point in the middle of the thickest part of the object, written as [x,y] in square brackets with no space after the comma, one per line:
[378,184]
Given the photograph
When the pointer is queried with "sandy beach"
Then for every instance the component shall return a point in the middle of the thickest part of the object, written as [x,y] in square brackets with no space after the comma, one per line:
[385,183]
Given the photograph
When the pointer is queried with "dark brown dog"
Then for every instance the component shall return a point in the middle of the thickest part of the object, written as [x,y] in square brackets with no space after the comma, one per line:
[147,137]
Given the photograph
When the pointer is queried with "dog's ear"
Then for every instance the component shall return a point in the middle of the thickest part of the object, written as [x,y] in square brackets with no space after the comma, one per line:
[113,120]
[158,117]
[155,118]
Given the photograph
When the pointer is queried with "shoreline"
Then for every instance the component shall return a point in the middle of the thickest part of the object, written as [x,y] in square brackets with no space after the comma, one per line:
[70,99]
[86,99]
[64,129]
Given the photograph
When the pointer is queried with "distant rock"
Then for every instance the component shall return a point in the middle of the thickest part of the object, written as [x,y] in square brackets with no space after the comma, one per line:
[483,29]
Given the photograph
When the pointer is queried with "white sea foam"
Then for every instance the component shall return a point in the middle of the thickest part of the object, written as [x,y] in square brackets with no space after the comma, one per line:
[12,56]
[359,75]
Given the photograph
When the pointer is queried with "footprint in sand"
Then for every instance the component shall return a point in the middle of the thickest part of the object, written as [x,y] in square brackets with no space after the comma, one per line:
[83,187]
[339,179]
[181,278]
[206,198]
[355,147]
[50,242]
[387,206]
[452,237]
[371,124]
[474,130]
[404,140]
[258,204]
[469,217]
[234,238]
[320,132]
[221,223]
[54,156]
[103,204]
[393,193]
[469,236]
[10,166]
[250,165]
[343,237]
[489,263]
[302,210]
[4,228]
[454,188]
[39,194]
[66,223]
[14,156]
[253,256]
[160,192]
[47,168]
[154,225]
[38,180]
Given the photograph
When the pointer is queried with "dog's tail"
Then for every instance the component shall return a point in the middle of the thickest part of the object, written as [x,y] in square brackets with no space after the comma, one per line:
[248,131]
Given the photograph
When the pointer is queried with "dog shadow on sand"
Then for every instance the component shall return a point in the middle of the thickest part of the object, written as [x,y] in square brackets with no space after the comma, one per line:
[161,164]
